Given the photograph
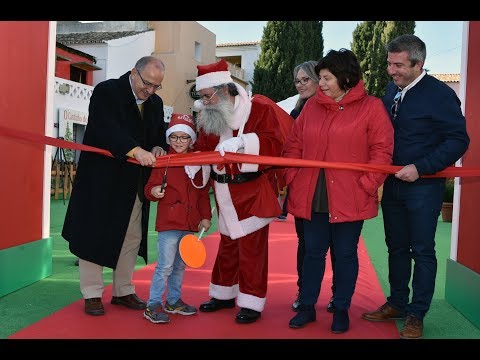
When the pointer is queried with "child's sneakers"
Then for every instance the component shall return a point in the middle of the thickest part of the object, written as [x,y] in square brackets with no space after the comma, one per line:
[180,308]
[156,315]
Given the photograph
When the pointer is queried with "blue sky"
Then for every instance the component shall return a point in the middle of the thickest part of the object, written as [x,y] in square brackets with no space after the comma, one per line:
[443,38]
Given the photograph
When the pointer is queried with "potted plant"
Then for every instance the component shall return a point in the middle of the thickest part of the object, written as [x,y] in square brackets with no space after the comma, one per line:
[447,206]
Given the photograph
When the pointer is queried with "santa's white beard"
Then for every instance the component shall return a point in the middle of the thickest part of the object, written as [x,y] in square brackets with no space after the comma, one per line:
[214,119]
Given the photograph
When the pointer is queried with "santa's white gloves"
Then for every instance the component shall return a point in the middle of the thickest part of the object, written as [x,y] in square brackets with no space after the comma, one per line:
[231,145]
[191,170]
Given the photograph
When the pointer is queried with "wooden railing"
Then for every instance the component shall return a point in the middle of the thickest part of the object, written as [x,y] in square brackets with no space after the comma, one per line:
[63,174]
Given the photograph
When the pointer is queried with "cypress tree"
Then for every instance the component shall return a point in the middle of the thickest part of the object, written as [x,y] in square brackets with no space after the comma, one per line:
[369,40]
[284,45]
[362,36]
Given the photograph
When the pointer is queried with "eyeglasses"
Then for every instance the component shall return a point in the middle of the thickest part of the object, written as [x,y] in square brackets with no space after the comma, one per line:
[396,105]
[148,84]
[205,98]
[302,81]
[182,139]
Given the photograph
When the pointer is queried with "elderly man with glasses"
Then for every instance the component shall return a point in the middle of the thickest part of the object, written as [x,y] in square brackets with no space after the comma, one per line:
[107,217]
[229,120]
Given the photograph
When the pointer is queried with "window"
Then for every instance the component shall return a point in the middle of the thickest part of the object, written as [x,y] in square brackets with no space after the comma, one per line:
[78,75]
[198,52]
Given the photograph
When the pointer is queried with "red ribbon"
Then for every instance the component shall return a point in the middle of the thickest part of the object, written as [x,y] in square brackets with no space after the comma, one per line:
[214,157]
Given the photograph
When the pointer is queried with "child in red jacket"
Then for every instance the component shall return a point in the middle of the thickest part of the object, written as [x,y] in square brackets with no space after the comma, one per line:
[182,209]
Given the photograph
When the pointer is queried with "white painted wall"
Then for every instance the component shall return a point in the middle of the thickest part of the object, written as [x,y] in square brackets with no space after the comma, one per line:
[118,56]
[249,54]
[123,53]
[100,51]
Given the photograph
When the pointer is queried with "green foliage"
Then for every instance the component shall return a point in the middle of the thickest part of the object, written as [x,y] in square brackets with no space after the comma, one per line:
[449,190]
[369,40]
[68,137]
[284,45]
[362,36]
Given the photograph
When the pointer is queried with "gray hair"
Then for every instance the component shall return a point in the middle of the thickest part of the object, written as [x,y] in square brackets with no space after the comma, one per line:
[413,45]
[144,61]
[231,88]
[309,68]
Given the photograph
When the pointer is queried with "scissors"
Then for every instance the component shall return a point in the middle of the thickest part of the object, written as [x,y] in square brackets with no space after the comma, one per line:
[164,181]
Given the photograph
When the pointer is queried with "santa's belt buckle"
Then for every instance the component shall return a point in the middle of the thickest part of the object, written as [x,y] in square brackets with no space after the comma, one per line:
[235,179]
[221,178]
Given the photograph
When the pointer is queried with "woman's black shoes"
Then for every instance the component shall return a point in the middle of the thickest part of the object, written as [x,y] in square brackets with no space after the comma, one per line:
[331,306]
[341,321]
[305,314]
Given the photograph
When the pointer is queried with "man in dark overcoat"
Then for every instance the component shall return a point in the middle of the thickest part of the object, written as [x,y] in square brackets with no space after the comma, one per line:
[106,222]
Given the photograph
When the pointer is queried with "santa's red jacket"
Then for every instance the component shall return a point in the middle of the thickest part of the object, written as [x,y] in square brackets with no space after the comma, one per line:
[248,206]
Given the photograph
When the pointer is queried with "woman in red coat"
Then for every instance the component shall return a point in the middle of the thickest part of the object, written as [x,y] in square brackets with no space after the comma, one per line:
[341,123]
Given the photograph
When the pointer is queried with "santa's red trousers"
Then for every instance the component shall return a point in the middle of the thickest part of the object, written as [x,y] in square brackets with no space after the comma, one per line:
[241,269]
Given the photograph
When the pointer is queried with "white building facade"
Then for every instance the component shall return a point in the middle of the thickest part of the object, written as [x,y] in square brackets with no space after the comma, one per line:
[243,55]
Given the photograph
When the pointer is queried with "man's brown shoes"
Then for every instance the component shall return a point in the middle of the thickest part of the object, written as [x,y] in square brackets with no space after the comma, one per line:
[94,306]
[383,313]
[412,328]
[132,301]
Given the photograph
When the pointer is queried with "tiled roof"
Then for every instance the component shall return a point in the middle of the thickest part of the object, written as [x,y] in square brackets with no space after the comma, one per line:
[244,43]
[75,51]
[447,77]
[94,37]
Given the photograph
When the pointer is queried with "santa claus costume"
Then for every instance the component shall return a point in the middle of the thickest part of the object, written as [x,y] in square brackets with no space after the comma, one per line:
[245,198]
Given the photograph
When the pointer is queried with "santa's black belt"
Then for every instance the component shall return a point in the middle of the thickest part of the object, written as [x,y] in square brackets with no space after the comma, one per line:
[234,179]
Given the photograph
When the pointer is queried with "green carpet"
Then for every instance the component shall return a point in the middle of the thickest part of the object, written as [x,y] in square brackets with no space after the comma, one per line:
[34,302]
[442,321]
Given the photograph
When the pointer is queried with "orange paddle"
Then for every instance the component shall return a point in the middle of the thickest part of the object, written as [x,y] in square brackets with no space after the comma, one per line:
[192,250]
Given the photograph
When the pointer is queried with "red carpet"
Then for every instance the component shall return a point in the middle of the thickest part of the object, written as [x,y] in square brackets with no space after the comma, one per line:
[122,323]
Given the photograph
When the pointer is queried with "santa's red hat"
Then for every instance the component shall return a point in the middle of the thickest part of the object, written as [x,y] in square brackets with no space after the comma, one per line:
[182,122]
[213,75]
